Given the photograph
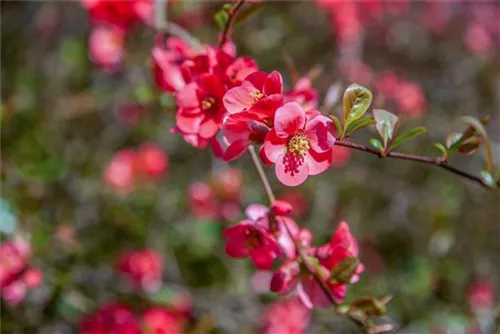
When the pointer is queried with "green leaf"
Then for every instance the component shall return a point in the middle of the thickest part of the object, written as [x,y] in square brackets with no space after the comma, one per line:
[221,17]
[497,176]
[386,124]
[358,124]
[356,101]
[404,137]
[377,144]
[442,148]
[337,124]
[478,126]
[343,271]
[488,178]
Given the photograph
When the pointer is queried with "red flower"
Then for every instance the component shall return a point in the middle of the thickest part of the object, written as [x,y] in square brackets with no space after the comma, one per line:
[303,94]
[481,295]
[151,160]
[260,93]
[251,238]
[122,14]
[143,269]
[285,316]
[112,318]
[119,174]
[106,47]
[157,320]
[298,146]
[239,69]
[169,74]
[202,201]
[200,110]
[241,130]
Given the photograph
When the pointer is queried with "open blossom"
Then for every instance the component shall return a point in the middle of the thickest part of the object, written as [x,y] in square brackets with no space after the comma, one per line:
[200,107]
[260,94]
[119,174]
[143,268]
[151,160]
[285,316]
[298,146]
[106,47]
[481,295]
[159,320]
[112,318]
[252,238]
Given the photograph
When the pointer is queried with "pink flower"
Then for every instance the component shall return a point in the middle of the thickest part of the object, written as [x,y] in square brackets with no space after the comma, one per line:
[158,320]
[119,174]
[251,238]
[303,94]
[14,256]
[411,99]
[200,110]
[168,71]
[239,69]
[298,146]
[151,160]
[260,93]
[32,278]
[285,316]
[143,268]
[14,293]
[203,201]
[480,295]
[106,47]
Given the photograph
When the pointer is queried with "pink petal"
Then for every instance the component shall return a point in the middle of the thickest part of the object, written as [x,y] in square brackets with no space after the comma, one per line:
[240,98]
[315,293]
[188,124]
[273,146]
[289,119]
[209,128]
[321,133]
[187,97]
[256,211]
[290,170]
[266,107]
[236,248]
[257,79]
[262,259]
[236,150]
[235,231]
[318,162]
[273,84]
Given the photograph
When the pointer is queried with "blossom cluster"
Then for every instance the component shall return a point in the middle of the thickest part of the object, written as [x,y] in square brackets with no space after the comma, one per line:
[269,234]
[16,275]
[119,318]
[217,92]
[112,20]
[220,198]
[149,162]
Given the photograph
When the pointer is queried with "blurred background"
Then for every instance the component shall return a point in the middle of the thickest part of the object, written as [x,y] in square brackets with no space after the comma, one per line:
[88,232]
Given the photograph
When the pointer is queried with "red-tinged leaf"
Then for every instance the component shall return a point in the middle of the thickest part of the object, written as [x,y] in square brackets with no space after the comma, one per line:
[356,101]
[469,146]
[478,126]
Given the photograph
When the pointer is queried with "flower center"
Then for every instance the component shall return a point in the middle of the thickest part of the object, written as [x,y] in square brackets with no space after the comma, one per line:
[207,103]
[298,145]
[256,95]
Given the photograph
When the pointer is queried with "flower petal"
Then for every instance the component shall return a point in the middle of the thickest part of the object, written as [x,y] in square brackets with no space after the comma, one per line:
[321,133]
[209,127]
[290,170]
[187,123]
[240,98]
[273,146]
[256,211]
[236,150]
[262,259]
[273,84]
[318,162]
[289,119]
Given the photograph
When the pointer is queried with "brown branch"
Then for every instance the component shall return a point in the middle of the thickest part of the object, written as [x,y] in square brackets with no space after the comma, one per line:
[270,195]
[232,15]
[439,162]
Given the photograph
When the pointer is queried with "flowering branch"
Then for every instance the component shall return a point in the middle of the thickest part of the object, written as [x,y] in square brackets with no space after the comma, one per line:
[440,162]
[360,322]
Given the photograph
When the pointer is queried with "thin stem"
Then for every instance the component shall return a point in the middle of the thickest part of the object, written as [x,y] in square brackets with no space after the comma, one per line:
[232,15]
[262,174]
[439,162]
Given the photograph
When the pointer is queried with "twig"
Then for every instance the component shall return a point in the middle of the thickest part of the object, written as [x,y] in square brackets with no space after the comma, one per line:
[439,162]
[232,15]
